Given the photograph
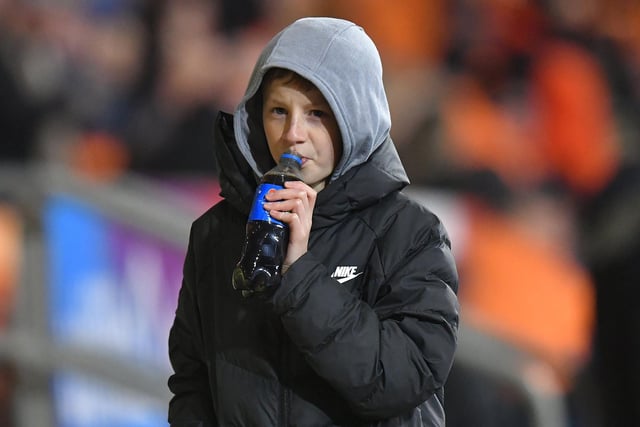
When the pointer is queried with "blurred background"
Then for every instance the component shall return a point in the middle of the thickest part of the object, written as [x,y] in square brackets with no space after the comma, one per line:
[518,123]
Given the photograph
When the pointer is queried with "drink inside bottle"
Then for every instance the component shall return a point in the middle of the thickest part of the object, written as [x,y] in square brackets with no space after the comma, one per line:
[266,240]
[265,247]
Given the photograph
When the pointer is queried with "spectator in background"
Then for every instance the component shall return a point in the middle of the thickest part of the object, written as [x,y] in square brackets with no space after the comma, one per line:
[523,280]
[169,129]
[540,97]
[594,152]
[203,54]
[20,115]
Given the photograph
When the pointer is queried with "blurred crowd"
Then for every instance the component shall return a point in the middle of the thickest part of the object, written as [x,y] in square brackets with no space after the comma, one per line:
[528,111]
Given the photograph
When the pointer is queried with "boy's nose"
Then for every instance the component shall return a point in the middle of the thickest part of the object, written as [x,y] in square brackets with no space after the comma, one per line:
[295,131]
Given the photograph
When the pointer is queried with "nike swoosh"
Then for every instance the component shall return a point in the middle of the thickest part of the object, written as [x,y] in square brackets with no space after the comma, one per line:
[349,277]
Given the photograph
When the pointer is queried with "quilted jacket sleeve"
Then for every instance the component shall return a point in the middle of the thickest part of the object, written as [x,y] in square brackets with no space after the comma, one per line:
[388,355]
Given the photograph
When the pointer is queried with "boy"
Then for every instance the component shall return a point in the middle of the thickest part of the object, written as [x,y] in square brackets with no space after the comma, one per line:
[362,328]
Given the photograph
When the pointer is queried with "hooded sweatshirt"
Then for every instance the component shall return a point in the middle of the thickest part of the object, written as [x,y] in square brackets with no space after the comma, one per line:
[362,329]
[340,59]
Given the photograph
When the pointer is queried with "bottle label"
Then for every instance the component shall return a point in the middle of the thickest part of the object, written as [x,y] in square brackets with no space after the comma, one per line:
[258,212]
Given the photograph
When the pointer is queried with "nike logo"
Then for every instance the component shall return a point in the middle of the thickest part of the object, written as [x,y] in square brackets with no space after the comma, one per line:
[344,273]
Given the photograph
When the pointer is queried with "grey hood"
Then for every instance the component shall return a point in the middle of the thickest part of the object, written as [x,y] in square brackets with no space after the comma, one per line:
[340,59]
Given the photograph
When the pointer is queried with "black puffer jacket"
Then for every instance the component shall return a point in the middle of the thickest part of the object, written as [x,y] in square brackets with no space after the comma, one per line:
[361,331]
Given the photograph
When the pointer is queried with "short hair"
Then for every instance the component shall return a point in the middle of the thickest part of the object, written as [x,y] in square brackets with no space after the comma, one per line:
[289,77]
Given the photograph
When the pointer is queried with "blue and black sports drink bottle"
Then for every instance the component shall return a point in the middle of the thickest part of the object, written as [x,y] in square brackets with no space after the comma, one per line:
[266,241]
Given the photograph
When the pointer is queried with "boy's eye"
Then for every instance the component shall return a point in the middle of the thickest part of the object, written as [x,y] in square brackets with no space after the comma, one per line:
[279,110]
[317,113]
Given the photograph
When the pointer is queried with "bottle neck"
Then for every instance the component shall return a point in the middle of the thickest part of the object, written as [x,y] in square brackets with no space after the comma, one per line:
[291,157]
[289,163]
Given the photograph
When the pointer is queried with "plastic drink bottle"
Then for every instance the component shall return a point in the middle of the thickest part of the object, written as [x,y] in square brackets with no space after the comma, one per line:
[266,240]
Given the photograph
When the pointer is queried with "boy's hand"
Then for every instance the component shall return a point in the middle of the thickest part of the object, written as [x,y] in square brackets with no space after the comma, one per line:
[293,205]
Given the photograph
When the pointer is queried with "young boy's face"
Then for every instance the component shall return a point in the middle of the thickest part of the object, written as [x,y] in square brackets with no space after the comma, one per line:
[298,116]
